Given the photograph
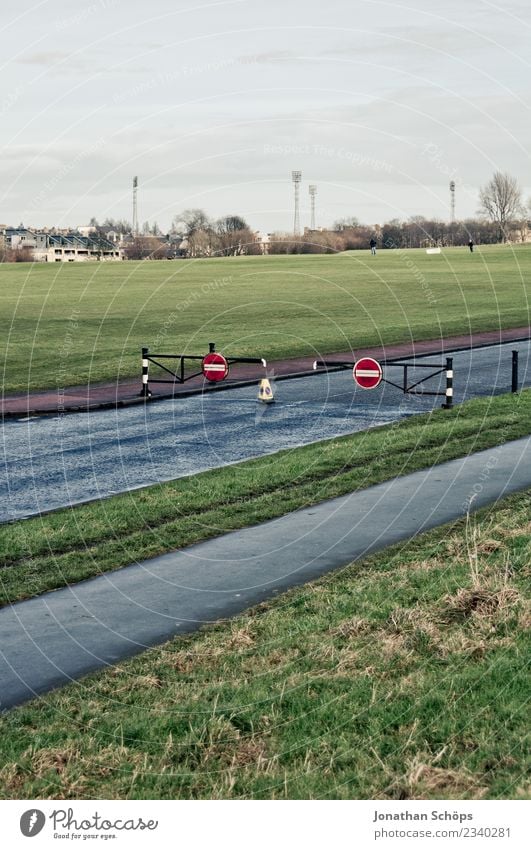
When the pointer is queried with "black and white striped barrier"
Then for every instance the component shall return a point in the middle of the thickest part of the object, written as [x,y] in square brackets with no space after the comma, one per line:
[145,393]
[214,367]
[406,387]
[449,400]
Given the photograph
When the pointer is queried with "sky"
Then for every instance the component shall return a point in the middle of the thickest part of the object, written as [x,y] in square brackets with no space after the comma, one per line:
[214,104]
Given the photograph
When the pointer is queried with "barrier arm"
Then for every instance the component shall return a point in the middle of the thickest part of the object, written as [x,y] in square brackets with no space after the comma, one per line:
[177,375]
[260,360]
[436,368]
[331,365]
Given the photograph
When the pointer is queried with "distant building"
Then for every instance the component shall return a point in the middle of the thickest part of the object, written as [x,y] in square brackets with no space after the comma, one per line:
[16,238]
[521,234]
[263,240]
[61,247]
[87,230]
[75,248]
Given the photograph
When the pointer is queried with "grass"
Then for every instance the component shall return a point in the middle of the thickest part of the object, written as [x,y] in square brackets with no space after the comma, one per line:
[69,545]
[400,677]
[66,324]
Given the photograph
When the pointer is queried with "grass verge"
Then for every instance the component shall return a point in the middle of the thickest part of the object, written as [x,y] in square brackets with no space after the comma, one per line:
[400,677]
[48,552]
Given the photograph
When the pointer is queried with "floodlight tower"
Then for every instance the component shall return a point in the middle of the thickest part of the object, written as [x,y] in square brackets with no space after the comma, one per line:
[296,177]
[135,207]
[313,192]
[452,201]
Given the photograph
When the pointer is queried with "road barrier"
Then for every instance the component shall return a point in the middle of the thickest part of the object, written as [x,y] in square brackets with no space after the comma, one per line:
[367,372]
[372,372]
[214,367]
[440,368]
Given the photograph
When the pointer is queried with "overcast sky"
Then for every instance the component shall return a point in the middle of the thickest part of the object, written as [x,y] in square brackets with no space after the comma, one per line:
[213,104]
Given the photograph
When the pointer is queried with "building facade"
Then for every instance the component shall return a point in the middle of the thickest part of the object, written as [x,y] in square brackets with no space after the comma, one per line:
[68,247]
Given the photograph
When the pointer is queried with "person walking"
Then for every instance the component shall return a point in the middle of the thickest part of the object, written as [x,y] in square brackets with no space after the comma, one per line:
[373,246]
[471,245]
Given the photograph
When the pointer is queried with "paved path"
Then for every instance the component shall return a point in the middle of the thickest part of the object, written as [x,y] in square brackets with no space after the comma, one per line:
[47,641]
[49,462]
[126,393]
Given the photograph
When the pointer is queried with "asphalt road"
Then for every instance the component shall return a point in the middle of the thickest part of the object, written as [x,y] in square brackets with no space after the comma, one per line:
[51,640]
[53,462]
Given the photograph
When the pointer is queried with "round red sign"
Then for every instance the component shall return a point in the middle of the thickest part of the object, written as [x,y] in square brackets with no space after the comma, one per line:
[215,367]
[367,373]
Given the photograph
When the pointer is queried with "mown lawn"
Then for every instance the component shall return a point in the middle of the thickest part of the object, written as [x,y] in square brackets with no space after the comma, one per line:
[400,677]
[64,324]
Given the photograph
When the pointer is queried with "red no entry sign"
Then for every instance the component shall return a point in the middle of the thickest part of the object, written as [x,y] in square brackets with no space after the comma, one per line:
[367,373]
[215,367]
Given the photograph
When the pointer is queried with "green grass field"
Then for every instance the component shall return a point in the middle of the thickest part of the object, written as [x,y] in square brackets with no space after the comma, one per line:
[401,677]
[65,324]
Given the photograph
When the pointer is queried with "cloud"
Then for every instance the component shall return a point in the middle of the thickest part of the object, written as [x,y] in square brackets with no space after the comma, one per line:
[50,58]
[268,57]
[60,62]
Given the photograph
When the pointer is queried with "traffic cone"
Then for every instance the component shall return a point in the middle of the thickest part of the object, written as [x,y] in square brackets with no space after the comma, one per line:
[265,392]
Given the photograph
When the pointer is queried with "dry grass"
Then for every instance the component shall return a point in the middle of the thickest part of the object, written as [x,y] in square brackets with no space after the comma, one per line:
[380,681]
[478,602]
[241,639]
[423,780]
[351,628]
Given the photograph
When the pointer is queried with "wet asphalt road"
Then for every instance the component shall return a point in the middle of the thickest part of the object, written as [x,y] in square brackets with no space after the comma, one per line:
[53,462]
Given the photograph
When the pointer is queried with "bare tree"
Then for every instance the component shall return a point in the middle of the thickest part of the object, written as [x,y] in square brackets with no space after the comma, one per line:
[349,223]
[119,226]
[501,201]
[147,247]
[191,220]
[231,224]
[24,254]
[234,237]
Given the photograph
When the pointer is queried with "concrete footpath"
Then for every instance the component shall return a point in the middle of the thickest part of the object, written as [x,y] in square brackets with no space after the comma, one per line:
[58,637]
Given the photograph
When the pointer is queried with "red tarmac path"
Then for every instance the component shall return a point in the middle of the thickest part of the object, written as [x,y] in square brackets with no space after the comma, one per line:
[96,396]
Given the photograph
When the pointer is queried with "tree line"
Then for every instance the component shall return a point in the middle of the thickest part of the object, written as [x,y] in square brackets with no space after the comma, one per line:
[194,234]
[502,216]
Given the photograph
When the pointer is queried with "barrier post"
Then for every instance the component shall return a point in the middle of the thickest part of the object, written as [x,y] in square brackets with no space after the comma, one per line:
[514,372]
[144,392]
[449,394]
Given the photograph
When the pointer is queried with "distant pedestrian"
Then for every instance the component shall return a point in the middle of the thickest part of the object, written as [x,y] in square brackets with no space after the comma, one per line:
[373,246]
[471,245]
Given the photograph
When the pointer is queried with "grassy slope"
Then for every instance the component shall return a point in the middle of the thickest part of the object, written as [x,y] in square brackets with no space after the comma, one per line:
[400,677]
[69,545]
[66,323]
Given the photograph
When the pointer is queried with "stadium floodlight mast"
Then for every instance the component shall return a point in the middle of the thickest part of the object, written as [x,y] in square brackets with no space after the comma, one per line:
[313,192]
[452,201]
[296,177]
[135,208]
